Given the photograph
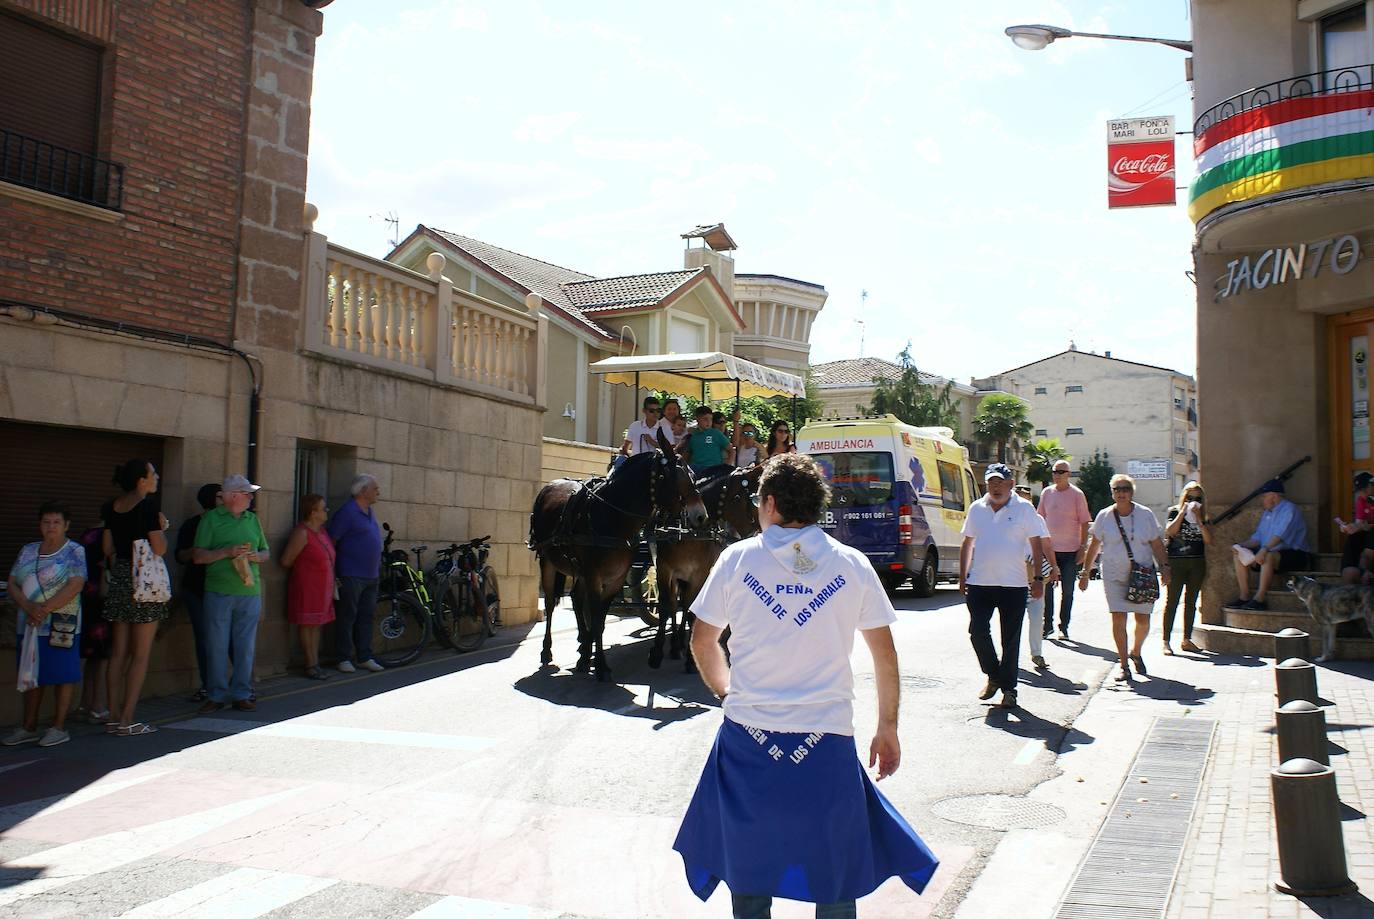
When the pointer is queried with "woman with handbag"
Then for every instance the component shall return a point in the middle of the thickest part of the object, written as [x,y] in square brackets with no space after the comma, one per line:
[45,583]
[139,591]
[1128,536]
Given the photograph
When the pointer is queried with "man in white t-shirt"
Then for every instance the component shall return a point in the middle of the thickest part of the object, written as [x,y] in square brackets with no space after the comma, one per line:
[781,806]
[992,576]
[642,436]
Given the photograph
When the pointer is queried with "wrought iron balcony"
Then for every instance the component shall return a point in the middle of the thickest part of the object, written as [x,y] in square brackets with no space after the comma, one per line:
[1342,80]
[37,164]
[1192,459]
[1192,415]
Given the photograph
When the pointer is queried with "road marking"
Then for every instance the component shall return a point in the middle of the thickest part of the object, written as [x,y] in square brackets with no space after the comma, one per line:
[335,733]
[1029,751]
[64,864]
[465,908]
[89,793]
[242,894]
[17,765]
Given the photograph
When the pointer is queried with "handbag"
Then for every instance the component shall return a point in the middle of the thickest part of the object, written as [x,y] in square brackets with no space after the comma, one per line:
[151,581]
[61,626]
[28,661]
[1142,585]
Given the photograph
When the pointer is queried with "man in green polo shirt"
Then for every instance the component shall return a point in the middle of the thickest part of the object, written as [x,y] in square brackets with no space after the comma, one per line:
[231,545]
[706,445]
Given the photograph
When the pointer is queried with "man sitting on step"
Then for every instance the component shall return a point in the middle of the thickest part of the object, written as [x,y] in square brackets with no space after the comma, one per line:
[1278,544]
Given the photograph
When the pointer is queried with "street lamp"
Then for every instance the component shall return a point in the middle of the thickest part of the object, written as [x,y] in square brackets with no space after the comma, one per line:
[1036,37]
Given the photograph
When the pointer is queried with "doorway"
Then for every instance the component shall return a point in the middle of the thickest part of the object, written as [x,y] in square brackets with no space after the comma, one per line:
[1349,337]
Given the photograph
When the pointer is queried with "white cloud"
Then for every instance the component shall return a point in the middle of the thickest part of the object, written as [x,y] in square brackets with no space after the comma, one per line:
[545,128]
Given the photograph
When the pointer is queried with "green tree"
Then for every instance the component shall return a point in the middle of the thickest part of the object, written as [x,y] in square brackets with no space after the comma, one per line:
[1001,420]
[911,400]
[1043,454]
[762,412]
[1095,479]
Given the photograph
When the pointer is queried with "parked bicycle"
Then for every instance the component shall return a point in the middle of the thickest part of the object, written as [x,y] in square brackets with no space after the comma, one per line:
[403,622]
[476,603]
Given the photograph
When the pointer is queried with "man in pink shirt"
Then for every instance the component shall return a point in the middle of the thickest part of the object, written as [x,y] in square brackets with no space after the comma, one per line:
[1065,510]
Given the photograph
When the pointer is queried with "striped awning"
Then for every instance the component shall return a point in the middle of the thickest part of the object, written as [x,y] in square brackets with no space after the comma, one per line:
[683,374]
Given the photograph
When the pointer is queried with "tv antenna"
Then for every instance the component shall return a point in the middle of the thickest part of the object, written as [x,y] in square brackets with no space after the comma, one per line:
[863,326]
[391,220]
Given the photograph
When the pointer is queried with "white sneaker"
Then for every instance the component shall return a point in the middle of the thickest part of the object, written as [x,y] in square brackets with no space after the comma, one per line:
[371,664]
[53,736]
[18,736]
[347,667]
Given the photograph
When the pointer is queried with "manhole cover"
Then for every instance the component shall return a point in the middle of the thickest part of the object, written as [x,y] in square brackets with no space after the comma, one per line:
[908,682]
[999,812]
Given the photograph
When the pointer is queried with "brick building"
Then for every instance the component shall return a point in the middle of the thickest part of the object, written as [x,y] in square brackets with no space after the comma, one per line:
[162,294]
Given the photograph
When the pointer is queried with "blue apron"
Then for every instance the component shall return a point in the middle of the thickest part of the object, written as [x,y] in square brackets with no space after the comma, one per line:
[795,816]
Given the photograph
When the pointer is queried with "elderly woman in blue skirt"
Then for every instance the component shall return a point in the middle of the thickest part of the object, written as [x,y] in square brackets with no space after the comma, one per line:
[45,583]
[784,807]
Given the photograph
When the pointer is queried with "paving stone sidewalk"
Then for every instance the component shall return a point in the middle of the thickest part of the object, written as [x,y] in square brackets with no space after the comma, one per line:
[1231,859]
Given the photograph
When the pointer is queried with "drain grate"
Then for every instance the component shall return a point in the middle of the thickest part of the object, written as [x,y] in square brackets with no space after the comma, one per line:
[1130,868]
[999,812]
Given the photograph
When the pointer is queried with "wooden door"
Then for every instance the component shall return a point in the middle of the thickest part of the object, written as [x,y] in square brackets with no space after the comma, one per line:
[1351,338]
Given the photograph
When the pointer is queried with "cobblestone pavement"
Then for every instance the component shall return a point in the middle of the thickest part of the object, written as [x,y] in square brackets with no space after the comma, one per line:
[1232,856]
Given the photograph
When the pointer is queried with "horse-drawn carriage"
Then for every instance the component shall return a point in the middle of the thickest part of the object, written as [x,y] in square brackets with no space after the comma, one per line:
[590,531]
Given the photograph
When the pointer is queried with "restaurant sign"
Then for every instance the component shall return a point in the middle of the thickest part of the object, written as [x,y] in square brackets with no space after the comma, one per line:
[1272,267]
[1140,162]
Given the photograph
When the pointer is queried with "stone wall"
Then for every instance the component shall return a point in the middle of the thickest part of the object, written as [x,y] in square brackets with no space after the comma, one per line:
[568,459]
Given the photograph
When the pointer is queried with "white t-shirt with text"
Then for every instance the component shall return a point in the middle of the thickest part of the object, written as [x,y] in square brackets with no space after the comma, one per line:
[793,599]
[1000,540]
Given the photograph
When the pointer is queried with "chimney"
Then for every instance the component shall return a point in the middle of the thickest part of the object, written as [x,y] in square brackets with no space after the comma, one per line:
[1106,354]
[712,254]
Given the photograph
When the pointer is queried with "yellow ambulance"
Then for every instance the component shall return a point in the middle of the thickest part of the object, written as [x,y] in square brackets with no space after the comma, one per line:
[900,494]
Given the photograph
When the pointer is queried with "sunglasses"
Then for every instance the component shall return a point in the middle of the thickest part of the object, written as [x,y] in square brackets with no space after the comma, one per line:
[1061,472]
[1123,488]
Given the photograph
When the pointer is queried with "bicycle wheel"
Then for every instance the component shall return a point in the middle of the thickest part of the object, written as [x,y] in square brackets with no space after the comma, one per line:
[471,625]
[493,599]
[400,629]
[445,617]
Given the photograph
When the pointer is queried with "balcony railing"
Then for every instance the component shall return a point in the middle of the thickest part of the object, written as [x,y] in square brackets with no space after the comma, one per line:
[369,311]
[37,164]
[1342,80]
[1192,415]
[1192,459]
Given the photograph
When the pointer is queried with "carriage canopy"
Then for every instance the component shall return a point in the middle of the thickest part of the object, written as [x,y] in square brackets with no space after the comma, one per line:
[684,374]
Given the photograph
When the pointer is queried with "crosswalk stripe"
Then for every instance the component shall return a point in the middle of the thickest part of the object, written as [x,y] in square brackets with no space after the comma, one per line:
[242,894]
[465,908]
[302,731]
[64,864]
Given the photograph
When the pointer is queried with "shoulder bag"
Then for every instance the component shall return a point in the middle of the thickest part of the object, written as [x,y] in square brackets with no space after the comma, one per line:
[1142,586]
[151,583]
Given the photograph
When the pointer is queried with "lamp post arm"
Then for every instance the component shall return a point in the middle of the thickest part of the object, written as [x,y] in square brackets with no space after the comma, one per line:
[1172,43]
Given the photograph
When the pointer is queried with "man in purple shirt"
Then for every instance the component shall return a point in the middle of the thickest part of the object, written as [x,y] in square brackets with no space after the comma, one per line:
[357,562]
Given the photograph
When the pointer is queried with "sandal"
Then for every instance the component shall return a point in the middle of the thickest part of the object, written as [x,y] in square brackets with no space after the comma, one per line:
[1168,651]
[1189,647]
[98,717]
[132,730]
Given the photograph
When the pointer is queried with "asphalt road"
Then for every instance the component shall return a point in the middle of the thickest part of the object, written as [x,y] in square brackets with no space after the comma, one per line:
[485,785]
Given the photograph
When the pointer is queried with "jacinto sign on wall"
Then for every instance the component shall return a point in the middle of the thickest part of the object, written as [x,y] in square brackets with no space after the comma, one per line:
[1140,162]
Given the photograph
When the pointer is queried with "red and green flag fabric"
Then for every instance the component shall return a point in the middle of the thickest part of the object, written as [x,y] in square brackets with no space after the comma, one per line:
[1290,144]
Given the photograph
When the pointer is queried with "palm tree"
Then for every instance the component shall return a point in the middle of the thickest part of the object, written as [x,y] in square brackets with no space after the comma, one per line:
[1001,419]
[1043,454]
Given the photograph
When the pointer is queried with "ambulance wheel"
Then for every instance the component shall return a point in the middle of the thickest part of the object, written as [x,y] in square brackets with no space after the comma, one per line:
[924,581]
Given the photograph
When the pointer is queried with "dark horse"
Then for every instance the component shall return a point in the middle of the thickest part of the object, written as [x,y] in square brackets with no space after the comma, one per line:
[587,531]
[684,559]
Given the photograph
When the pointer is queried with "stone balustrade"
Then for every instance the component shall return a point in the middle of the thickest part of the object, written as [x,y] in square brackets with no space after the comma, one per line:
[369,311]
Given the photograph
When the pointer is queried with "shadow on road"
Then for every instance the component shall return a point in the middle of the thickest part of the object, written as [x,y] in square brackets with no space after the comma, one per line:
[1355,904]
[1022,723]
[1166,690]
[664,696]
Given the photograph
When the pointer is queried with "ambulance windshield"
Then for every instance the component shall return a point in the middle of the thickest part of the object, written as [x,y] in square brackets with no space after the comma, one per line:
[857,479]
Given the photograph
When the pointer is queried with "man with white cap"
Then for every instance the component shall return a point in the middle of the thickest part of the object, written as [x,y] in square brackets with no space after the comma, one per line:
[992,576]
[231,545]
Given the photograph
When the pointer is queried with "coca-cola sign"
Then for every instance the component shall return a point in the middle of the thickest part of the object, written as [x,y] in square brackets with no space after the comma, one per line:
[1140,162]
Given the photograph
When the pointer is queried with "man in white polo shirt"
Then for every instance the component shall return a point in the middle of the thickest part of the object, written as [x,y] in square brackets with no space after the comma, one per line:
[992,576]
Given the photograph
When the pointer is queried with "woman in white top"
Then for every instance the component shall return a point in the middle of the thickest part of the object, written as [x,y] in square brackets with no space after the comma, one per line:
[1141,532]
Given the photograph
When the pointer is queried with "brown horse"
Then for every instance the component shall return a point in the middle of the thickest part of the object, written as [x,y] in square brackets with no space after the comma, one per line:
[685,559]
[587,531]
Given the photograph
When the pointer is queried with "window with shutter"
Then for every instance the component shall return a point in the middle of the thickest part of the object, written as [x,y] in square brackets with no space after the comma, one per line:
[50,114]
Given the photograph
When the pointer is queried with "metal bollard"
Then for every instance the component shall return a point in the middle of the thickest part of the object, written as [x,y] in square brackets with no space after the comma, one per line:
[1295,679]
[1301,730]
[1307,818]
[1291,643]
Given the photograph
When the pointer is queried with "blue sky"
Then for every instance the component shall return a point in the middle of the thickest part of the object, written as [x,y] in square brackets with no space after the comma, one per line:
[905,149]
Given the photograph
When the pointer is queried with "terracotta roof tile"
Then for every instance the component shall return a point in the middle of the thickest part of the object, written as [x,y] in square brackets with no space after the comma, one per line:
[862,371]
[628,292]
